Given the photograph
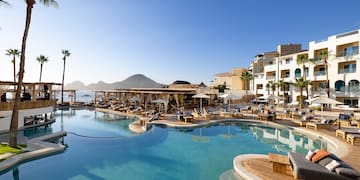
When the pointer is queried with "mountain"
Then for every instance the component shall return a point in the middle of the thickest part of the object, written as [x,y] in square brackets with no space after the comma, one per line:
[135,81]
[76,85]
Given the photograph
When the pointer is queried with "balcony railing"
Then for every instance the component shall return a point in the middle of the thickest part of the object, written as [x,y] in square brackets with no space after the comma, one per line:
[270,77]
[346,54]
[319,73]
[347,70]
[349,89]
[7,106]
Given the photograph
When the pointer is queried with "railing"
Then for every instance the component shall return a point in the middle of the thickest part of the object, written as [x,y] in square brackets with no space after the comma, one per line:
[348,89]
[319,73]
[343,71]
[270,77]
[347,54]
[7,106]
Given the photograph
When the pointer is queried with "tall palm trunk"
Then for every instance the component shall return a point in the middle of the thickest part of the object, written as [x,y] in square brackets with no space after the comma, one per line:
[327,79]
[304,76]
[301,98]
[62,84]
[15,114]
[14,63]
[41,67]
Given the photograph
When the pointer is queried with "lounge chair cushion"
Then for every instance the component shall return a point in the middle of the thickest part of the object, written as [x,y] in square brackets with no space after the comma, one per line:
[325,161]
[348,172]
[309,155]
[332,165]
[322,153]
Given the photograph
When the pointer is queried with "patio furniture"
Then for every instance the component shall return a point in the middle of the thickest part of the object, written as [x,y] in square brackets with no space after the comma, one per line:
[326,124]
[306,169]
[343,132]
[353,138]
[281,163]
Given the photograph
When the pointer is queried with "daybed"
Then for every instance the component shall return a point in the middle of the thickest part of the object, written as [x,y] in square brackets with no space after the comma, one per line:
[306,169]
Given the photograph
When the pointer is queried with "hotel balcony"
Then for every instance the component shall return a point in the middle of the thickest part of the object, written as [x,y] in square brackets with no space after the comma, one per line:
[347,67]
[271,75]
[346,50]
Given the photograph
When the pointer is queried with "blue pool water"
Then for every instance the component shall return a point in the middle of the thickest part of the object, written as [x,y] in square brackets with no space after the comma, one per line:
[106,149]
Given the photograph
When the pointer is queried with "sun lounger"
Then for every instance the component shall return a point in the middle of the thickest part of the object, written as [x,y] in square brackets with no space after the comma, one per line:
[324,124]
[306,169]
[353,138]
[343,132]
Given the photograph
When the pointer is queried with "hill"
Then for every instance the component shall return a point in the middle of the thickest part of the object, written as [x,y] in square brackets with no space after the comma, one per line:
[135,81]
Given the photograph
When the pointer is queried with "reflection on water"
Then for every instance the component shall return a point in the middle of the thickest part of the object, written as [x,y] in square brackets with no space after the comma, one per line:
[285,140]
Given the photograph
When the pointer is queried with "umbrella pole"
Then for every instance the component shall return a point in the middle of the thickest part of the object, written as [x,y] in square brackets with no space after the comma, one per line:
[200,104]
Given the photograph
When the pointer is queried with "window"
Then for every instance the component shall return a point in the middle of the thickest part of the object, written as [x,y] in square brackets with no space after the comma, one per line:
[349,68]
[287,74]
[340,86]
[307,72]
[349,51]
[354,86]
[297,73]
[288,60]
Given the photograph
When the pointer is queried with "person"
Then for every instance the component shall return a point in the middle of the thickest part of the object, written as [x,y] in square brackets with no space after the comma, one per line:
[3,97]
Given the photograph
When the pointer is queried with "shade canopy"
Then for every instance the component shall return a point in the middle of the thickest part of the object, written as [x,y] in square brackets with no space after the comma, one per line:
[324,100]
[135,98]
[158,101]
[201,95]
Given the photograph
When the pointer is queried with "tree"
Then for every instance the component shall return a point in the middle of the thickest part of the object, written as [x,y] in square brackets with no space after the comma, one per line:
[14,53]
[301,84]
[66,54]
[3,2]
[271,85]
[15,113]
[284,86]
[324,55]
[42,59]
[302,60]
[247,77]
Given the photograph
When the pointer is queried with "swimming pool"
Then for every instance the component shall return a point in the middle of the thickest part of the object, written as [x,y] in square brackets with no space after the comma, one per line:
[104,148]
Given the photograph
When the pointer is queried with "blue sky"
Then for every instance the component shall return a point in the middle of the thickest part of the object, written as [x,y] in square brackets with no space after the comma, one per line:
[166,40]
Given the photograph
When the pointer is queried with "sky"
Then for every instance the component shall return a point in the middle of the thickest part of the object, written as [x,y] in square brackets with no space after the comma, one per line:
[166,40]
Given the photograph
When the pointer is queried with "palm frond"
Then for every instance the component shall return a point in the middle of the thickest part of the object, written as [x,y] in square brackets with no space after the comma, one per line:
[48,3]
[4,2]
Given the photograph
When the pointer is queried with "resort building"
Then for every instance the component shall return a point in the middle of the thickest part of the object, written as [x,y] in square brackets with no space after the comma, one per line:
[37,101]
[338,53]
[231,81]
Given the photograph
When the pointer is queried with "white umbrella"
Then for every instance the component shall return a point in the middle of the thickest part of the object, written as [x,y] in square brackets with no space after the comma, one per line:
[229,96]
[294,103]
[200,96]
[135,98]
[158,101]
[324,100]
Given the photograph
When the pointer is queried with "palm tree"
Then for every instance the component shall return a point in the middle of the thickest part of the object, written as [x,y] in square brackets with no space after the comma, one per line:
[3,2]
[247,77]
[302,60]
[324,55]
[301,84]
[271,85]
[66,54]
[42,59]
[284,86]
[15,113]
[15,53]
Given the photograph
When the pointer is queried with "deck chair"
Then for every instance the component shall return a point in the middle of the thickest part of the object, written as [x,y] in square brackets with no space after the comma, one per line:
[323,124]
